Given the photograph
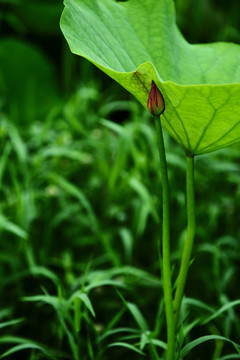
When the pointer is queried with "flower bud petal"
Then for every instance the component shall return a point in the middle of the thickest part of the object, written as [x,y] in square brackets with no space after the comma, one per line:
[155,103]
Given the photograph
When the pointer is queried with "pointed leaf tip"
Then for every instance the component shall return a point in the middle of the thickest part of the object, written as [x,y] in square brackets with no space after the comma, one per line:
[155,103]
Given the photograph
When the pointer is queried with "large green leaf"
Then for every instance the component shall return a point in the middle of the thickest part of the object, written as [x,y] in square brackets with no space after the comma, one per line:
[138,41]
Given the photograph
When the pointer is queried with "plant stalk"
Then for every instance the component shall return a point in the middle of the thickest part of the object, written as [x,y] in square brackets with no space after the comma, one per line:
[187,250]
[166,263]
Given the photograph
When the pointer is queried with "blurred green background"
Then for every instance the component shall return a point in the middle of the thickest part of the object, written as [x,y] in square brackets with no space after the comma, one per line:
[80,200]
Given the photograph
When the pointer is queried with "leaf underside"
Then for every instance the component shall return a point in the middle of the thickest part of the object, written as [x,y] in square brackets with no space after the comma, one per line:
[137,41]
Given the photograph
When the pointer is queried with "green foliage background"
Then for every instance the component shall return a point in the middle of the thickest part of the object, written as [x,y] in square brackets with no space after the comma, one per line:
[79,209]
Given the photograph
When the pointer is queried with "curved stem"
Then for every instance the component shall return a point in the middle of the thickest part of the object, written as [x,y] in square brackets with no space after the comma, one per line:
[167,283]
[187,250]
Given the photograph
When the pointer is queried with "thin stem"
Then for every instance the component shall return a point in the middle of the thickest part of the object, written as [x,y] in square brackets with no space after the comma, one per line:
[187,250]
[167,283]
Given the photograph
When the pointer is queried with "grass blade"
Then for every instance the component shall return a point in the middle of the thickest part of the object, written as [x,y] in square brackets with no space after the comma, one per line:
[127,346]
[221,310]
[187,348]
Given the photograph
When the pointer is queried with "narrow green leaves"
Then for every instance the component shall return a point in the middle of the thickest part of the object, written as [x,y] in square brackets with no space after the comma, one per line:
[138,41]
[187,348]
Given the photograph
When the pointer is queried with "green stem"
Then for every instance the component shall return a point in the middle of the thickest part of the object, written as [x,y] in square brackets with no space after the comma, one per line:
[166,264]
[187,250]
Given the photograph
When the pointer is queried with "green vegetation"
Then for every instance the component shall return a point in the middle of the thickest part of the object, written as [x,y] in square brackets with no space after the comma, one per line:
[80,192]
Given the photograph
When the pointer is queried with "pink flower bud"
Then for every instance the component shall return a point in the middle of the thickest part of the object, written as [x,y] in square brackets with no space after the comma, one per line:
[155,103]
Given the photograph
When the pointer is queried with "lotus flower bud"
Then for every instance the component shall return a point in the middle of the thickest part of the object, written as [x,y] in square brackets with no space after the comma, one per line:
[155,103]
